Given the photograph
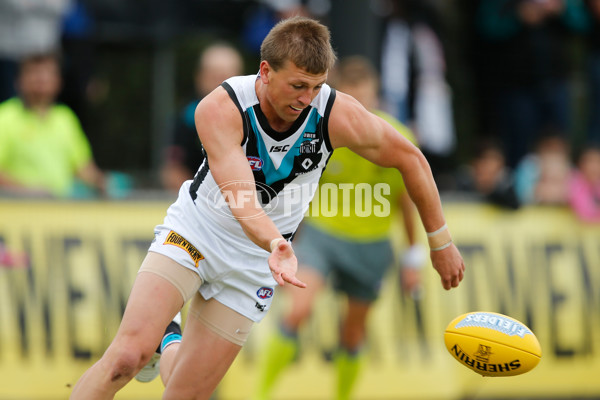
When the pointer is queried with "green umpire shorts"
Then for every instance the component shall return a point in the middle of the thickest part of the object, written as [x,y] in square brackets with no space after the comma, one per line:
[356,267]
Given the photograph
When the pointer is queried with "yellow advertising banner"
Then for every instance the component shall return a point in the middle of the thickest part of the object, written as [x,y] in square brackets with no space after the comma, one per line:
[61,306]
[66,269]
[539,265]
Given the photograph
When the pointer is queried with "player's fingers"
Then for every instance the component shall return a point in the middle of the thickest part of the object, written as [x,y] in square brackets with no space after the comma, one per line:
[279,279]
[276,272]
[446,284]
[294,281]
[455,281]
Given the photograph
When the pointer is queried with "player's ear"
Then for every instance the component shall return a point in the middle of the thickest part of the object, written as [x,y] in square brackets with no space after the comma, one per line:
[265,70]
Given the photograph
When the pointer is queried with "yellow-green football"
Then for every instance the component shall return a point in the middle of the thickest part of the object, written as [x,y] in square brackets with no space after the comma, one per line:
[492,344]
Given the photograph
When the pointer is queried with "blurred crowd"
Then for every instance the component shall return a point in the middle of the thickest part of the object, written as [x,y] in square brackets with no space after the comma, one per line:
[531,82]
[527,150]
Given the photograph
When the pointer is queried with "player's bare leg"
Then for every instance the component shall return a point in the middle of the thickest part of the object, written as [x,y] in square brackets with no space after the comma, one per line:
[201,361]
[354,324]
[167,361]
[302,299]
[152,304]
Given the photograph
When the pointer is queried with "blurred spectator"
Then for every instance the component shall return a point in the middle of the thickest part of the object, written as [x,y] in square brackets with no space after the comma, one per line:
[42,146]
[488,176]
[266,13]
[184,155]
[26,27]
[525,68]
[414,87]
[584,185]
[354,251]
[541,177]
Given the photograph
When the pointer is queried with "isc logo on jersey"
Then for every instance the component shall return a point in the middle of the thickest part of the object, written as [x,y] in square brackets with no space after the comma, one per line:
[265,292]
[279,149]
[255,163]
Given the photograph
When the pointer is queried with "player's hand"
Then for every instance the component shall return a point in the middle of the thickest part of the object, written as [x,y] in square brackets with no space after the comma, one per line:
[450,265]
[412,261]
[410,280]
[283,264]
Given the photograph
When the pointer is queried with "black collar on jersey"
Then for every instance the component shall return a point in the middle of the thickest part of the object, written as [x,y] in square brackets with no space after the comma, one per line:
[276,135]
[262,119]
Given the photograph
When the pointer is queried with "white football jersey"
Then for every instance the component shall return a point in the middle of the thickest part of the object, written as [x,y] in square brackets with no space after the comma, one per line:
[200,232]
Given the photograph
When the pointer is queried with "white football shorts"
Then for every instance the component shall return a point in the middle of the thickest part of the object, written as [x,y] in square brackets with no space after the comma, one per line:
[227,279]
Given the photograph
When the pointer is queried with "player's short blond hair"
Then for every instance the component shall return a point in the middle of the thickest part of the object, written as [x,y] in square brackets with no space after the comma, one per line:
[301,40]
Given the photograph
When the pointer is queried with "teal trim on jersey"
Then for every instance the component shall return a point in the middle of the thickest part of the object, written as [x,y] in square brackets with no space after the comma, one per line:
[313,120]
[271,173]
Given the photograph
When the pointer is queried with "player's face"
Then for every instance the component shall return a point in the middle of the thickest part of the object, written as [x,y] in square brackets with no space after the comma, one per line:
[289,91]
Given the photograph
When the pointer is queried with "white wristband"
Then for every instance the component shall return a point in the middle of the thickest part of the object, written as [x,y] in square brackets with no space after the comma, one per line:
[414,257]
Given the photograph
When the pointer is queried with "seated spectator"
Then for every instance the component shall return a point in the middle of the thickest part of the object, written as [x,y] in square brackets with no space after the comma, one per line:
[584,185]
[489,177]
[542,176]
[43,148]
[184,154]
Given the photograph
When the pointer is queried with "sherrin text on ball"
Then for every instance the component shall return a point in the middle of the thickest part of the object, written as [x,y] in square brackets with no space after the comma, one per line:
[492,344]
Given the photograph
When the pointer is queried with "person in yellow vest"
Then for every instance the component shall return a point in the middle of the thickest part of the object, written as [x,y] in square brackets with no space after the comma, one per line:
[348,239]
[43,148]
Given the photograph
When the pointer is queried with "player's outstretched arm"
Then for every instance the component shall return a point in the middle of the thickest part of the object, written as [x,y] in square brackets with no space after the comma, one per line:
[219,126]
[352,126]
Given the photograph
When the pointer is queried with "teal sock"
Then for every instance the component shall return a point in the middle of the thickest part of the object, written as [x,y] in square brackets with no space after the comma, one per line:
[172,335]
[169,339]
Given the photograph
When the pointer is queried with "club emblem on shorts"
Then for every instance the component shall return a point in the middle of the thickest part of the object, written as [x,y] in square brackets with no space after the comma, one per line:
[176,239]
[264,293]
